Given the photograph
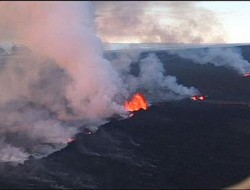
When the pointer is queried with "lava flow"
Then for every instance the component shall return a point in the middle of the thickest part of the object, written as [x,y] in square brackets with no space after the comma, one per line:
[247,75]
[70,140]
[201,98]
[136,103]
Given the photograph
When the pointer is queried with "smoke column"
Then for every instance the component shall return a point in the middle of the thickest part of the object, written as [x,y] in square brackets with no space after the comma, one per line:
[149,76]
[63,84]
[158,85]
[218,56]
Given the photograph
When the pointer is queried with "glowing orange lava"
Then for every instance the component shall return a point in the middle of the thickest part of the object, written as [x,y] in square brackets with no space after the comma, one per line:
[247,75]
[202,98]
[70,140]
[138,102]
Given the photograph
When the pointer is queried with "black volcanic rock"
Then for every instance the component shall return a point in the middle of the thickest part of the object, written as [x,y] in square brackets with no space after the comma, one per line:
[178,145]
[175,145]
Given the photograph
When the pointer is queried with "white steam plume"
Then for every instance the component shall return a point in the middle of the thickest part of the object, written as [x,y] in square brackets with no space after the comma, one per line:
[218,56]
[150,77]
[159,86]
[63,84]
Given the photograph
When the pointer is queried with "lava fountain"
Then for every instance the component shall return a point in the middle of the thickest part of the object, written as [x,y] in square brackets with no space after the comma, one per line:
[136,103]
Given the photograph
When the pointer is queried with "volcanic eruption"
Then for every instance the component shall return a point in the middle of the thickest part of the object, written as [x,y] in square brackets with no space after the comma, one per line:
[247,75]
[136,103]
[64,84]
[201,98]
[60,86]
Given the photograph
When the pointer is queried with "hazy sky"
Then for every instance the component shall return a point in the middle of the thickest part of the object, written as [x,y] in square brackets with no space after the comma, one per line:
[168,21]
[235,17]
[148,21]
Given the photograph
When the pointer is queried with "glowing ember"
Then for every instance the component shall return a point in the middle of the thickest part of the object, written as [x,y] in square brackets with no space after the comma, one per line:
[194,98]
[202,98]
[138,102]
[70,140]
[247,75]
[87,131]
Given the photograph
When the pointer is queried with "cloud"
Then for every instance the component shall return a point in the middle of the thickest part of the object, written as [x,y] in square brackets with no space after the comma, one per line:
[164,22]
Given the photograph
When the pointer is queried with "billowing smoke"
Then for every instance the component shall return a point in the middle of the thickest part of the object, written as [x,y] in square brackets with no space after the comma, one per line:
[164,22]
[229,57]
[60,85]
[161,87]
[149,76]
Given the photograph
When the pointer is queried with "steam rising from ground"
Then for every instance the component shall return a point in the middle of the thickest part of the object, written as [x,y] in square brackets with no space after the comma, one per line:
[158,85]
[149,76]
[218,56]
[63,83]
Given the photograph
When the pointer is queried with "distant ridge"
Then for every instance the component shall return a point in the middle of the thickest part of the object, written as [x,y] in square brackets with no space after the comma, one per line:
[163,46]
[138,46]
